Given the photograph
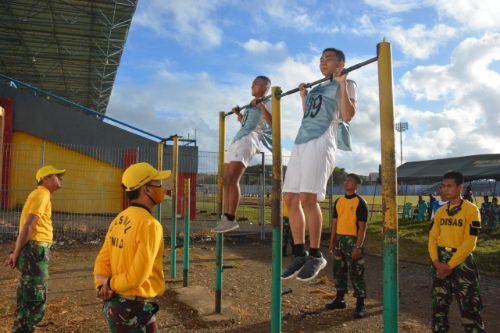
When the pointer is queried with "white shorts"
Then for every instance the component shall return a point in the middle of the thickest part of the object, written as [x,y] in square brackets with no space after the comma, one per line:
[310,166]
[242,150]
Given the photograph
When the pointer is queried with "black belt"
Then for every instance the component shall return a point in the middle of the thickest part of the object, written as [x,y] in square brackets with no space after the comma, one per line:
[43,244]
[447,249]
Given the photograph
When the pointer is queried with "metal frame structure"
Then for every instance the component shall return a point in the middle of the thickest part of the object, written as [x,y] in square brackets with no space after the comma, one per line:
[70,48]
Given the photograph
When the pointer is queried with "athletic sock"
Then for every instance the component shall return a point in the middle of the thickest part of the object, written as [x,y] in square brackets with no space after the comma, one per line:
[298,250]
[230,217]
[316,253]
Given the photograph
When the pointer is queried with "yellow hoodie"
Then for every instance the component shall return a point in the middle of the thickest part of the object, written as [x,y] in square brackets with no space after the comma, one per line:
[132,254]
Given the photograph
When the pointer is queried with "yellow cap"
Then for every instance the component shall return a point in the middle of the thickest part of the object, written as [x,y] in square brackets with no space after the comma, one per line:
[142,173]
[47,171]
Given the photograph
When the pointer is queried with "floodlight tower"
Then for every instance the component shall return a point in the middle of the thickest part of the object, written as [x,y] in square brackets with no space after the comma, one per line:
[401,127]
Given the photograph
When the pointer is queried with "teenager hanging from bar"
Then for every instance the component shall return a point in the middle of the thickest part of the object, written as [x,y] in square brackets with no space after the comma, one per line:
[327,108]
[255,128]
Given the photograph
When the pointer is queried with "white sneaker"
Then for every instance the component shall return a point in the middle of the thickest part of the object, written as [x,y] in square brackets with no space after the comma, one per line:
[225,225]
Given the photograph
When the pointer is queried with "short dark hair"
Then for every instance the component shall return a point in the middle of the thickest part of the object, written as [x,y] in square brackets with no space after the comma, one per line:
[356,178]
[132,195]
[458,177]
[265,79]
[338,53]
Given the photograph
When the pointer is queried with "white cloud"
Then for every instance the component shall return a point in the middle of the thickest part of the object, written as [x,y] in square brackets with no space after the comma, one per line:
[477,15]
[419,42]
[395,6]
[288,13]
[190,22]
[468,88]
[263,46]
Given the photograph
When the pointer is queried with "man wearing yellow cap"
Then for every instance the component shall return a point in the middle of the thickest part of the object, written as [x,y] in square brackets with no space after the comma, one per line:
[31,254]
[128,270]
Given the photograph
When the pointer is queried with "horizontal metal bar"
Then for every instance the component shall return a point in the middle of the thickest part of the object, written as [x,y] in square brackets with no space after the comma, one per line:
[330,77]
[309,85]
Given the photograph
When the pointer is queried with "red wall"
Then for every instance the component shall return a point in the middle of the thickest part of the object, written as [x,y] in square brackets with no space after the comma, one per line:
[8,105]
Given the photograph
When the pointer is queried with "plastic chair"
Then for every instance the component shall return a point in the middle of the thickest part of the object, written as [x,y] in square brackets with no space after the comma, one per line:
[420,212]
[406,214]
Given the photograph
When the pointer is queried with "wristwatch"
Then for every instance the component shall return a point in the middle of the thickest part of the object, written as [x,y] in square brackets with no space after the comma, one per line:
[359,247]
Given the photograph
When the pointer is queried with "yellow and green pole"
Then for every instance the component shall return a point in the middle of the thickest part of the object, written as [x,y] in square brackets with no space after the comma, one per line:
[160,167]
[173,237]
[276,213]
[390,214]
[219,238]
[187,232]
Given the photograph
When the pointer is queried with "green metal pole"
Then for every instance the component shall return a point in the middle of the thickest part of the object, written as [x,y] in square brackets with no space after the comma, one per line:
[187,202]
[390,213]
[173,239]
[276,214]
[219,240]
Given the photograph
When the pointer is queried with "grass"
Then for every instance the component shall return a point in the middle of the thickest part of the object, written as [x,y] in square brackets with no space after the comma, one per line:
[413,236]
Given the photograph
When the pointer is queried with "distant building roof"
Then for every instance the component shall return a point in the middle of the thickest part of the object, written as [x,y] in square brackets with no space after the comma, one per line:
[473,167]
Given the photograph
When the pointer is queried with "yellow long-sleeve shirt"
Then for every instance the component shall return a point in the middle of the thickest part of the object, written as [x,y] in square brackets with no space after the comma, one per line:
[132,254]
[457,231]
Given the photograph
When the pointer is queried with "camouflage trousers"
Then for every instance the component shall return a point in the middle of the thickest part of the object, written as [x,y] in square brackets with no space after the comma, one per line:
[344,266]
[464,284]
[131,316]
[32,286]
[287,234]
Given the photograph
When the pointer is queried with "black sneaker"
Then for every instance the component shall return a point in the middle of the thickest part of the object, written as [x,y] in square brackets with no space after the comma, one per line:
[360,310]
[338,303]
[311,268]
[294,267]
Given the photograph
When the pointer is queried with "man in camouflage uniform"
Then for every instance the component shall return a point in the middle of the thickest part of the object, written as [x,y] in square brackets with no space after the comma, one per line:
[31,254]
[350,214]
[452,240]
[128,270]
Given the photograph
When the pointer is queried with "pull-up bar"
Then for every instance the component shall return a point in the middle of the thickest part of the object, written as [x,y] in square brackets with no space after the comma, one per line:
[308,85]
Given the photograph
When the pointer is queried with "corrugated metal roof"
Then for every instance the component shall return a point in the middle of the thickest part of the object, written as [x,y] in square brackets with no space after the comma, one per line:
[71,48]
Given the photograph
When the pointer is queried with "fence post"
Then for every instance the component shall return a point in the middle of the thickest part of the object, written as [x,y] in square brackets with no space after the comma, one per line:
[173,237]
[160,167]
[187,204]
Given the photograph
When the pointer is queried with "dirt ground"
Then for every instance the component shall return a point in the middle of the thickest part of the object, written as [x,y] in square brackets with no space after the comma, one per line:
[72,306]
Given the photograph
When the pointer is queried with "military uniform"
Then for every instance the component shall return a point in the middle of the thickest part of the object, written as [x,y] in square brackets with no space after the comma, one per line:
[132,258]
[33,259]
[287,232]
[349,210]
[452,239]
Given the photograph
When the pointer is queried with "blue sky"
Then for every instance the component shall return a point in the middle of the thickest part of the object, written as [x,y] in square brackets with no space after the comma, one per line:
[186,60]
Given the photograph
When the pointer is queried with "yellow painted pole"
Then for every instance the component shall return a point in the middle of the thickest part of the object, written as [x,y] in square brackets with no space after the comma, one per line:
[220,162]
[219,238]
[276,213]
[173,237]
[389,186]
